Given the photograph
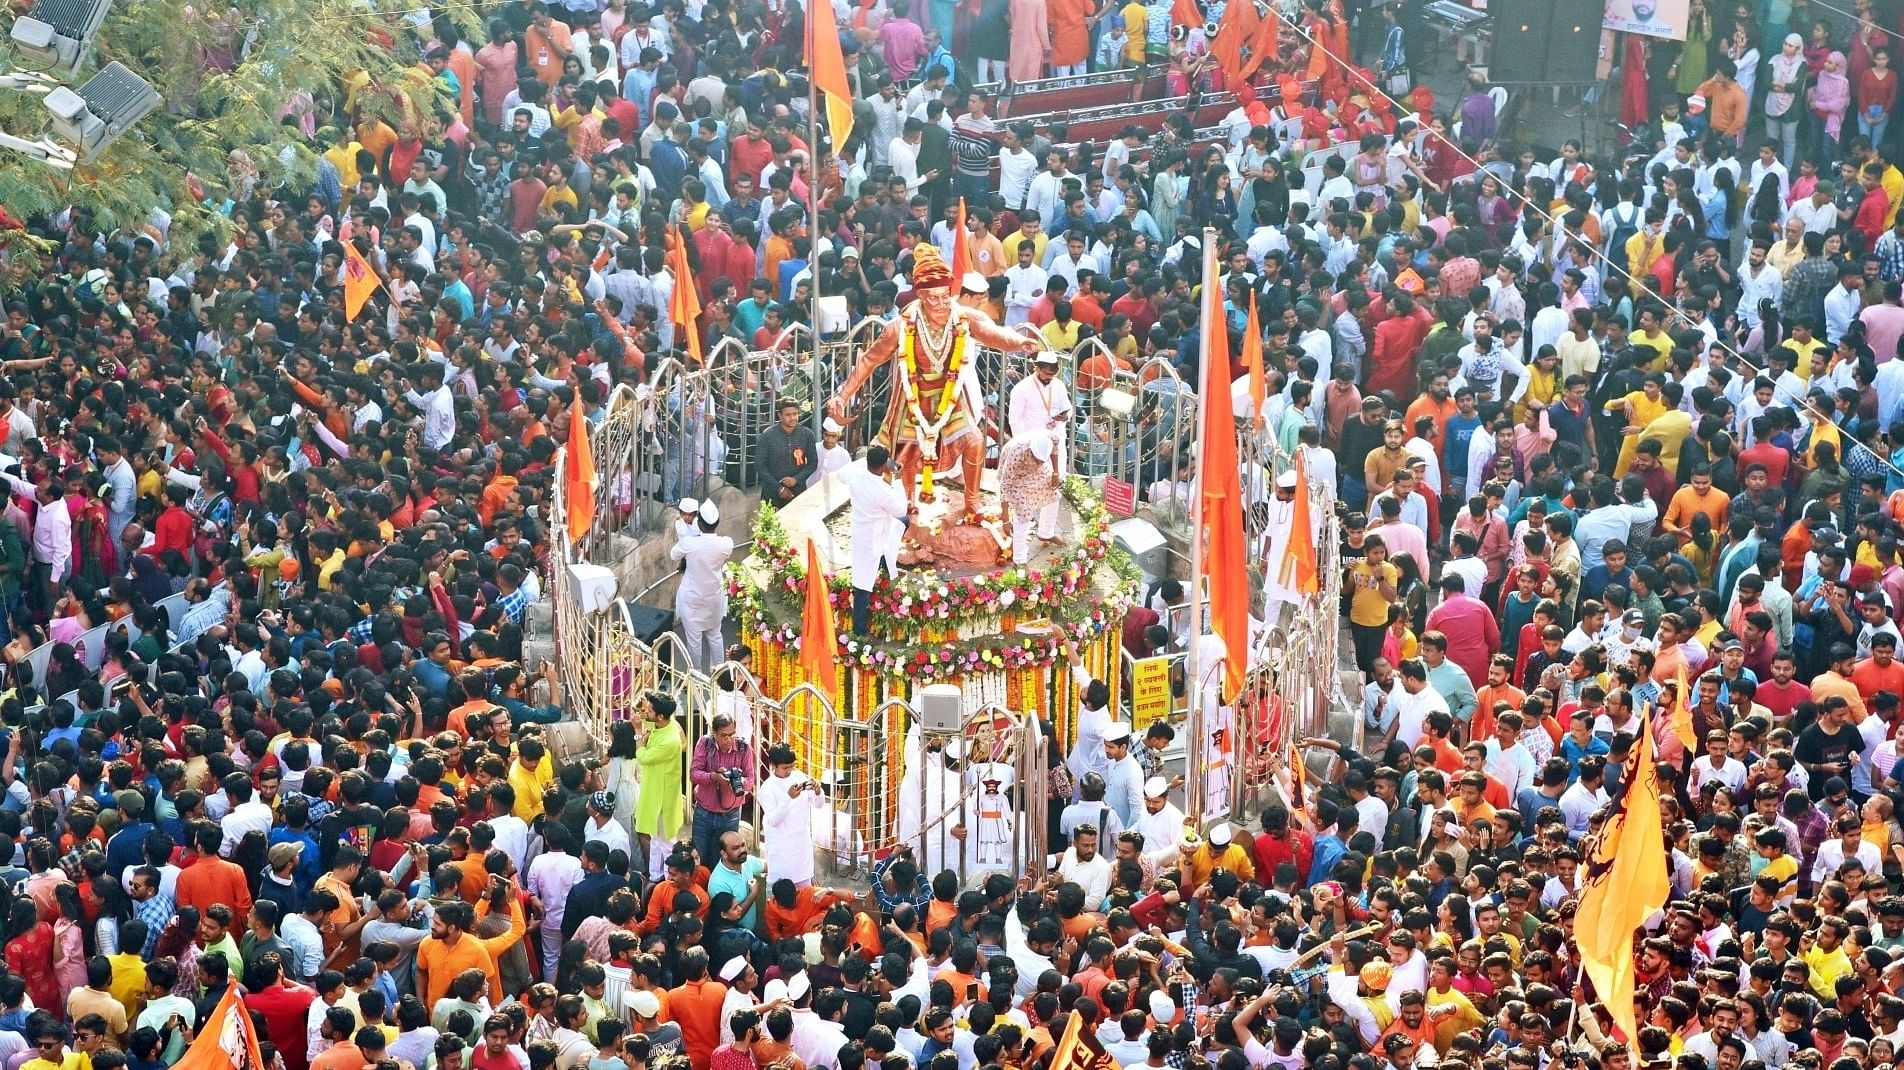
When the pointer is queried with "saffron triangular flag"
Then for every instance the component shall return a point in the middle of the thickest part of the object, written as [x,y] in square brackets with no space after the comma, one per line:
[1225,561]
[1682,712]
[1235,32]
[578,475]
[1297,568]
[1624,881]
[226,1039]
[961,251]
[829,73]
[360,281]
[685,306]
[819,641]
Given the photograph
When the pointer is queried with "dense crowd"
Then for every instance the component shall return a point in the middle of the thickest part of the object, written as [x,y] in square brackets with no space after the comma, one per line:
[1604,430]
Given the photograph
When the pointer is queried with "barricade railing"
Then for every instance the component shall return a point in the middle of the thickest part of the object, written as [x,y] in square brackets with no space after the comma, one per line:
[688,431]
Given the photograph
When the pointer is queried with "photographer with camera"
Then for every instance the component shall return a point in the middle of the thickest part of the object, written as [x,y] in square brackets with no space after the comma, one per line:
[723,775]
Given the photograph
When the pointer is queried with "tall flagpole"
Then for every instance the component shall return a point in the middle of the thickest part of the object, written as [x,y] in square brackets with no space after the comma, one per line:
[1195,755]
[813,215]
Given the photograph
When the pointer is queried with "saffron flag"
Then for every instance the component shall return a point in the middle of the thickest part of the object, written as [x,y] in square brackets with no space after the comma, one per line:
[1298,787]
[1682,712]
[1625,880]
[1298,569]
[1079,1050]
[578,476]
[1235,32]
[684,308]
[1225,560]
[226,1039]
[1253,360]
[961,252]
[360,281]
[829,73]
[819,643]
[1185,13]
[1263,44]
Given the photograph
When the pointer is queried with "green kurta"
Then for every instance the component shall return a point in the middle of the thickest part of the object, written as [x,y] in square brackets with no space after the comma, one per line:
[661,808]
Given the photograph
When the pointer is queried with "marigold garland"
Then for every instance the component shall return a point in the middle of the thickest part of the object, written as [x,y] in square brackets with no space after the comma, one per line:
[1089,591]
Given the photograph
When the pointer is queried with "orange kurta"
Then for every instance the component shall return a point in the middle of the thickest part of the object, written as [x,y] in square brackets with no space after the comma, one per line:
[696,1007]
[1070,36]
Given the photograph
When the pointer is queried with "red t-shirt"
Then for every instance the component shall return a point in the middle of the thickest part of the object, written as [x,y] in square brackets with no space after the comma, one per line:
[284,1011]
[1781,699]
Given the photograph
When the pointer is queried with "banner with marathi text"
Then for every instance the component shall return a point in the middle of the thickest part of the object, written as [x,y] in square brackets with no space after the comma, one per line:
[1649,18]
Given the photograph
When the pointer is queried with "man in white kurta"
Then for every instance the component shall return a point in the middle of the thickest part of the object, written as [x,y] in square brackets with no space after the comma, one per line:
[930,807]
[878,521]
[834,456]
[700,602]
[1041,402]
[1161,822]
[788,799]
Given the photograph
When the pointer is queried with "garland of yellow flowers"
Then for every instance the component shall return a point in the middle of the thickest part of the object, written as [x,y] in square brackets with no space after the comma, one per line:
[941,414]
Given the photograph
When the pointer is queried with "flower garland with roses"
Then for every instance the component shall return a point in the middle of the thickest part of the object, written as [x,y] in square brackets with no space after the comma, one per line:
[1089,591]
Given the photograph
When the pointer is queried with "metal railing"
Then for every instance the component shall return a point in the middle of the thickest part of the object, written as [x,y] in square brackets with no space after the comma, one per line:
[688,431]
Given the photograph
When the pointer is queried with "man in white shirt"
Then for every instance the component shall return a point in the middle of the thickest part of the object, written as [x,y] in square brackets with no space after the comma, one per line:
[439,408]
[1508,759]
[903,153]
[1413,702]
[1083,865]
[1045,192]
[1068,263]
[1016,168]
[1024,285]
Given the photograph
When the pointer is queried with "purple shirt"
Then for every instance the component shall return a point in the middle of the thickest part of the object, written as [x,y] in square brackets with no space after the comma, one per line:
[712,789]
[1477,117]
[904,42]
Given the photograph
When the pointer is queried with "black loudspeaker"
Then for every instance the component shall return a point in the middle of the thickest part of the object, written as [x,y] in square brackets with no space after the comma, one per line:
[650,623]
[1519,50]
[1541,41]
[1573,44]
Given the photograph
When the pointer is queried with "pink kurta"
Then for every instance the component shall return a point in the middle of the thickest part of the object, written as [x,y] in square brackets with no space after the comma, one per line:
[1030,36]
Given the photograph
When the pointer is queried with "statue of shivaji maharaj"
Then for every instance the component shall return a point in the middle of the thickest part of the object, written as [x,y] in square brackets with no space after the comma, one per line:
[937,406]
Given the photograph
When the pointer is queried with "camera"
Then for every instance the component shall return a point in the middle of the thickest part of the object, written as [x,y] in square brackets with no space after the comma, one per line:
[734,780]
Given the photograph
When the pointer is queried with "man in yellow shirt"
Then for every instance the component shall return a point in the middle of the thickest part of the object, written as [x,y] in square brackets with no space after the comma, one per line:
[1030,229]
[128,971]
[1442,993]
[1650,335]
[530,774]
[1062,332]
[1826,957]
[1670,428]
[53,1054]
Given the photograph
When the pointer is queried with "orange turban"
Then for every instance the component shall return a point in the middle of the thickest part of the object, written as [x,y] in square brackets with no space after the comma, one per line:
[929,269]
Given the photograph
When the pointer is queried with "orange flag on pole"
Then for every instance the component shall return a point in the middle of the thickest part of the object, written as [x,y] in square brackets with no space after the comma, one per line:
[684,308]
[1253,360]
[1297,570]
[819,642]
[1225,559]
[578,476]
[1682,712]
[360,281]
[1236,31]
[1624,881]
[226,1039]
[829,73]
[961,252]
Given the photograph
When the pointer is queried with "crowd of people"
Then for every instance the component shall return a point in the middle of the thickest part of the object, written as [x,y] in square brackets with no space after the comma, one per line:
[1611,435]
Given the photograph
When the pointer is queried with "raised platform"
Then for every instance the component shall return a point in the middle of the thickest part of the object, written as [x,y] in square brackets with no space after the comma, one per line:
[978,626]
